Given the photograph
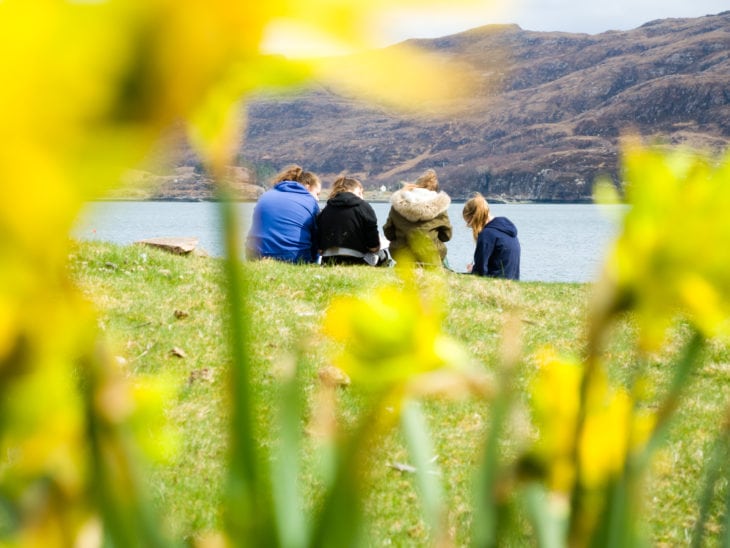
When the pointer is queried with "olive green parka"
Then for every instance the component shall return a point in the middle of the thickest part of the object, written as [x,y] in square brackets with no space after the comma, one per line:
[418,211]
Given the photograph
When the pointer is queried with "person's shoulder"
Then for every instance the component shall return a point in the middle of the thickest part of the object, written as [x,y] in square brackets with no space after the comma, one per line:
[397,196]
[366,205]
[442,197]
[505,221]
[292,186]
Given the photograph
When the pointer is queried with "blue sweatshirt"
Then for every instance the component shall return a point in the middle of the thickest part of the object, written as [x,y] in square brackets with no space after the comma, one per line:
[497,252]
[284,224]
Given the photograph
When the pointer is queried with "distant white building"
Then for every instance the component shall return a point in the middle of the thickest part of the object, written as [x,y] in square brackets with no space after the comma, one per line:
[383,188]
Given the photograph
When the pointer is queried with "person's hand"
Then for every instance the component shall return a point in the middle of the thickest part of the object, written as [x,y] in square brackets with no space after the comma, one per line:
[469,266]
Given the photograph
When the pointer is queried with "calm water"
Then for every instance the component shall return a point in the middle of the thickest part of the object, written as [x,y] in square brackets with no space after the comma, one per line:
[560,242]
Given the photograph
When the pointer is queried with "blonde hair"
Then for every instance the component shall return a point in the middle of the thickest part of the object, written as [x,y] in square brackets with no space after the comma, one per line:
[298,175]
[476,213]
[344,184]
[428,180]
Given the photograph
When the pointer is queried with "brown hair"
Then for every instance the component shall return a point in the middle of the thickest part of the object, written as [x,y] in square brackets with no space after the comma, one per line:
[476,213]
[298,175]
[428,180]
[309,180]
[344,184]
[291,173]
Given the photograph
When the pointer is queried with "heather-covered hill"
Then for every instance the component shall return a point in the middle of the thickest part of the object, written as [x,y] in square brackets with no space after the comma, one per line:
[545,120]
[552,110]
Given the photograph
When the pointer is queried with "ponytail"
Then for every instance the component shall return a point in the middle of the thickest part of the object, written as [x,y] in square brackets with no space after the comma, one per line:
[476,213]
[428,180]
[291,173]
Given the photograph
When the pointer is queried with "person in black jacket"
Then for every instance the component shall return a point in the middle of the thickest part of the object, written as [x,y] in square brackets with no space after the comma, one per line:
[497,252]
[348,227]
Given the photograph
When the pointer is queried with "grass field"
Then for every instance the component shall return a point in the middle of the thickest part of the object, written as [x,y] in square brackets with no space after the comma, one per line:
[165,314]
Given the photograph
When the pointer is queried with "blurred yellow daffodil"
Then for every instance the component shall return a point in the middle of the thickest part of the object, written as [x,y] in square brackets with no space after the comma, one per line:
[673,253]
[392,336]
[595,450]
[88,88]
[555,395]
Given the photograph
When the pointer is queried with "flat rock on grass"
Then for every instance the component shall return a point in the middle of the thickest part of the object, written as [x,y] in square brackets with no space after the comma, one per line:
[178,246]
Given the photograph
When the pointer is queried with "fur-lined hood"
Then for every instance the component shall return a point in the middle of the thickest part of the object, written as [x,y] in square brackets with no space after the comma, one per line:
[419,204]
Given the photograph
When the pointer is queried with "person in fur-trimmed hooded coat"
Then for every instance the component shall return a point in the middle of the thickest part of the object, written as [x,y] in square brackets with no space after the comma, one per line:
[419,208]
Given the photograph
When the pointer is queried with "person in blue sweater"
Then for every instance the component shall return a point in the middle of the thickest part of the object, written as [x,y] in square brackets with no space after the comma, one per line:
[284,222]
[497,252]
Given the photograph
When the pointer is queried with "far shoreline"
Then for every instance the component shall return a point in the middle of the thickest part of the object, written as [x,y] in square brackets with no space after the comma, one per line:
[500,201]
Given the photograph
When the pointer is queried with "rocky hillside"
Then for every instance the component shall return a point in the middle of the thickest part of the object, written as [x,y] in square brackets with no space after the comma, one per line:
[546,121]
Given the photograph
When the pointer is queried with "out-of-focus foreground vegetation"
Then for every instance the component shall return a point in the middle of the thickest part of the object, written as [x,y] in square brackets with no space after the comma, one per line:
[88,89]
[162,314]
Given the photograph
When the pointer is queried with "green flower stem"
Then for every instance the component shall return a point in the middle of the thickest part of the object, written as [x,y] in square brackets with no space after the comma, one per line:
[247,505]
[549,524]
[490,492]
[420,448]
[682,370]
[339,520]
[717,463]
[292,528]
[127,515]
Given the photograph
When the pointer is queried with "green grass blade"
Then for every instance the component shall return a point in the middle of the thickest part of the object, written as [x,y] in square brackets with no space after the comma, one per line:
[682,370]
[339,521]
[247,494]
[487,504]
[128,517]
[725,539]
[420,449]
[286,466]
[716,465]
[550,528]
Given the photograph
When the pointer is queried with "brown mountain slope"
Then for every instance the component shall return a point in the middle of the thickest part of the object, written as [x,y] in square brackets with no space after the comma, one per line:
[562,102]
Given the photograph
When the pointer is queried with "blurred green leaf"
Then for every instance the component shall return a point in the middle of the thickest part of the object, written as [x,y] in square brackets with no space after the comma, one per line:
[416,433]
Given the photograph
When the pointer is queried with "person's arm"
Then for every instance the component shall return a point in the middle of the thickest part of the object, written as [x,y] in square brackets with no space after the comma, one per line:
[389,229]
[318,233]
[445,231]
[370,227]
[484,249]
[314,233]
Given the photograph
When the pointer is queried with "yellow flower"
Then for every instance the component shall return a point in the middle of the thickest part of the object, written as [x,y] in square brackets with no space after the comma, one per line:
[672,254]
[390,337]
[155,436]
[613,429]
[556,402]
[611,426]
[604,439]
[704,305]
[88,88]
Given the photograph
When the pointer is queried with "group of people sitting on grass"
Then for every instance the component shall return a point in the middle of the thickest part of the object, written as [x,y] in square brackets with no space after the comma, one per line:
[288,225]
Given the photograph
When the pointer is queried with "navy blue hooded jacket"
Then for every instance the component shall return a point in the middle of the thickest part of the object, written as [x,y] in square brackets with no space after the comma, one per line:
[284,224]
[497,253]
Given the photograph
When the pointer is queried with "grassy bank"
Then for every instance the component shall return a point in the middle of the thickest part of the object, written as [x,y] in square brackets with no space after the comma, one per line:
[163,313]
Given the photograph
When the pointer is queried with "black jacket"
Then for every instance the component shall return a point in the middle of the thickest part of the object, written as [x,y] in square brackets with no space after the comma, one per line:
[498,250]
[348,221]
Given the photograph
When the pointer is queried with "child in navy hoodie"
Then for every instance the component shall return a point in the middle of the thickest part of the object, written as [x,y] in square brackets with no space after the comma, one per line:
[497,252]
